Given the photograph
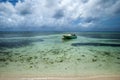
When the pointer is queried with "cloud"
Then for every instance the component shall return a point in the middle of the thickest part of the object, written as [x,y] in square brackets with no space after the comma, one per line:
[86,24]
[59,14]
[56,14]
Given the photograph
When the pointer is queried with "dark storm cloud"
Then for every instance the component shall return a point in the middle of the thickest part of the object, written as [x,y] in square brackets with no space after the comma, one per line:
[84,1]
[59,14]
[115,4]
[25,11]
[90,19]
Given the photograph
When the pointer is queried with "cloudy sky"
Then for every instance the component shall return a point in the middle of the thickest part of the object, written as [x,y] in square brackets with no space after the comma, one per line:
[60,15]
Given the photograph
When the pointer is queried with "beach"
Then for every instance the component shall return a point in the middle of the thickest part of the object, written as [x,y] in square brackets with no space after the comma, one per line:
[31,56]
[35,77]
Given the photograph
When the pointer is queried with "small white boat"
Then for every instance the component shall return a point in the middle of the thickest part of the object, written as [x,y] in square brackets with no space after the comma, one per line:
[69,36]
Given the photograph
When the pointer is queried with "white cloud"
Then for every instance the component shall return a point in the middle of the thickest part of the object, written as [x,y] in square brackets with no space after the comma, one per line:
[85,24]
[56,14]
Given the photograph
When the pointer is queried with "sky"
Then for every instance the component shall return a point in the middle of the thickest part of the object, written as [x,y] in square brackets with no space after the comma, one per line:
[60,15]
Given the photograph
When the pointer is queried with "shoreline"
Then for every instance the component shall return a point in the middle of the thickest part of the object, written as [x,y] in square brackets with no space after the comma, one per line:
[72,77]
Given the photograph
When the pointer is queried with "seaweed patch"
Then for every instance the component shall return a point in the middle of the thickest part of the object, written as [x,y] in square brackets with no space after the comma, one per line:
[95,44]
[17,43]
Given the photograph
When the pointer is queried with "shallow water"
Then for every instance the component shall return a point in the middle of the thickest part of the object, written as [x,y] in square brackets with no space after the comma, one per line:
[45,53]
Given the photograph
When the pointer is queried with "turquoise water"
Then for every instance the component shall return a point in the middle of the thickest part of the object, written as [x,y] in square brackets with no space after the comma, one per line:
[45,53]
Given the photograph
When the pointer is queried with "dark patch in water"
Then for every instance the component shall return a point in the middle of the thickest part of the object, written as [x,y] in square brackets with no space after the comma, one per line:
[83,55]
[2,60]
[117,62]
[115,40]
[118,57]
[78,59]
[95,44]
[31,66]
[9,34]
[5,52]
[101,35]
[107,53]
[95,56]
[94,60]
[15,43]
[29,59]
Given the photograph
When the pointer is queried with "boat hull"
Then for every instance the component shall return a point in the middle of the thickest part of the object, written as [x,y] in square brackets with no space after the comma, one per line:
[69,37]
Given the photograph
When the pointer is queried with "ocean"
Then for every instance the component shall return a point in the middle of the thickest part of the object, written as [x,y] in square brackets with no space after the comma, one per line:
[46,53]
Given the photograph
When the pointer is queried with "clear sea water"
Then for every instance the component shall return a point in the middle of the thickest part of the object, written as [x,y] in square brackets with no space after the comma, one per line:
[45,53]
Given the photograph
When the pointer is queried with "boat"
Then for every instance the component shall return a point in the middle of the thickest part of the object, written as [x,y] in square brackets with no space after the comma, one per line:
[69,36]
